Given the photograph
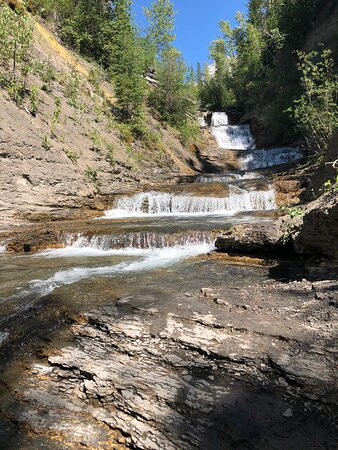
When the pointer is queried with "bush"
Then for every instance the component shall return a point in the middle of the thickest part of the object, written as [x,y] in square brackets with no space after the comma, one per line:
[34,100]
[316,110]
[16,34]
[72,88]
[189,132]
[91,175]
[73,156]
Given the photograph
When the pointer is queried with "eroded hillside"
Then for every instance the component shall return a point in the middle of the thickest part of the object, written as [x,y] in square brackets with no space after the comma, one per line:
[62,148]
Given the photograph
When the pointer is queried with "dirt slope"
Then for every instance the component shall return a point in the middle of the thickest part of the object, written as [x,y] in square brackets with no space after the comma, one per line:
[85,156]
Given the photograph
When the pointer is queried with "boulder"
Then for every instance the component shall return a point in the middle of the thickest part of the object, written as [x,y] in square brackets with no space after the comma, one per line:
[319,232]
[254,237]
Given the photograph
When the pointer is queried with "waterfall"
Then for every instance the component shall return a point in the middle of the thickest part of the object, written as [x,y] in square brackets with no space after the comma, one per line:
[228,177]
[239,137]
[261,158]
[138,240]
[233,137]
[219,119]
[202,122]
[158,203]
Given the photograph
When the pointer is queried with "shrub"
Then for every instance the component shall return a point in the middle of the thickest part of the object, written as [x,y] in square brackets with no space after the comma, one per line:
[46,144]
[96,139]
[73,156]
[34,100]
[16,34]
[56,113]
[72,88]
[91,175]
[316,110]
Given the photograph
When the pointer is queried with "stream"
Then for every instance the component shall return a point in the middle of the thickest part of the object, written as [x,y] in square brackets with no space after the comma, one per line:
[143,289]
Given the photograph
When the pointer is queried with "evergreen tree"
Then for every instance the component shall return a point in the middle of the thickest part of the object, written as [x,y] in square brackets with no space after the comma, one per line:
[125,61]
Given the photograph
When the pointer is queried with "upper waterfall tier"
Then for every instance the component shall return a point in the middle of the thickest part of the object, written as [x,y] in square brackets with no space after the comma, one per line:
[233,137]
[219,119]
[157,203]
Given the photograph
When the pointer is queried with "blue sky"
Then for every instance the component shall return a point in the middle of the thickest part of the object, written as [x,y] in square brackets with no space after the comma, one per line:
[196,23]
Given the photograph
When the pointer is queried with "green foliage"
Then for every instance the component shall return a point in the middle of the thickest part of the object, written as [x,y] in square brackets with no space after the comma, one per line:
[174,97]
[189,132]
[331,186]
[256,60]
[160,32]
[72,155]
[126,62]
[47,74]
[56,114]
[57,111]
[316,110]
[294,211]
[16,33]
[92,175]
[34,100]
[72,88]
[97,141]
[45,143]
[110,155]
[82,24]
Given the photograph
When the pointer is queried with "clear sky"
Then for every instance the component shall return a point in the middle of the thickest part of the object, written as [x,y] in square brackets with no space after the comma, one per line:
[196,23]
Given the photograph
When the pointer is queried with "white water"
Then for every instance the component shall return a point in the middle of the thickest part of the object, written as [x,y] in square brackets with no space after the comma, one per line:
[261,158]
[228,177]
[165,204]
[219,118]
[129,244]
[151,259]
[3,248]
[233,137]
[202,122]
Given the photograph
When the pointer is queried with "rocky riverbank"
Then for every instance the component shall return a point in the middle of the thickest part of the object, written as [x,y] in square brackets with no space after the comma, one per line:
[219,362]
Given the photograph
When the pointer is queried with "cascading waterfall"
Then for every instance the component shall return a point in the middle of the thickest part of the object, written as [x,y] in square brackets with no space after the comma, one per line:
[262,158]
[138,240]
[239,137]
[158,203]
[228,177]
[219,119]
[233,137]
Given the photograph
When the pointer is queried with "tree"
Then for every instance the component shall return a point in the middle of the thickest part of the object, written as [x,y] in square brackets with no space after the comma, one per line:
[160,32]
[125,61]
[174,96]
[16,33]
[316,110]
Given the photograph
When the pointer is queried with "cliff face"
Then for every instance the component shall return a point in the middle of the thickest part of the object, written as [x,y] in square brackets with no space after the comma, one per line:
[73,154]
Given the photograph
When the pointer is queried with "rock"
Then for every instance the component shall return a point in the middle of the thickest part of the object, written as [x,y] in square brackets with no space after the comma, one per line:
[250,238]
[287,413]
[207,292]
[319,232]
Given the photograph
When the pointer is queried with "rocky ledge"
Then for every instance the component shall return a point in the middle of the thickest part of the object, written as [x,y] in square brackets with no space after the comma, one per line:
[217,367]
[308,230]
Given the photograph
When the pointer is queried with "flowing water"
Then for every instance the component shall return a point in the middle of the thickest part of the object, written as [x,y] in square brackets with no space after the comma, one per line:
[239,137]
[141,236]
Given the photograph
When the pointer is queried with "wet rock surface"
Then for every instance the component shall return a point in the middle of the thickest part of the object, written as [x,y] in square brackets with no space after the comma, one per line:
[207,366]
